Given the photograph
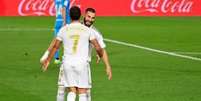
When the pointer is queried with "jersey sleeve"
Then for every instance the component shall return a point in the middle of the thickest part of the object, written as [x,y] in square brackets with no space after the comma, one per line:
[99,38]
[101,41]
[92,35]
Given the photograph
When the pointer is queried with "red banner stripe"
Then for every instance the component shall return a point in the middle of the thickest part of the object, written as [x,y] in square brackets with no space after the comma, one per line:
[105,7]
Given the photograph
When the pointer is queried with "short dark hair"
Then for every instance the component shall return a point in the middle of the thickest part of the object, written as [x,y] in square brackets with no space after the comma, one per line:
[75,13]
[90,10]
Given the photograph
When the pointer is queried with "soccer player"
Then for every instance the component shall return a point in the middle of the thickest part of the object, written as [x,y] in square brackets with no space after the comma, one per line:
[62,18]
[75,38]
[89,19]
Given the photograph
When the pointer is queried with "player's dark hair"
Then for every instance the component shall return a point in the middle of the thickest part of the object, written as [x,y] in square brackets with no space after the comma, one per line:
[75,13]
[90,10]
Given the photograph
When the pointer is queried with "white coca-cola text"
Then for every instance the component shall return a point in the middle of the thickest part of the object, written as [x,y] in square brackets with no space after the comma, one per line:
[164,6]
[38,7]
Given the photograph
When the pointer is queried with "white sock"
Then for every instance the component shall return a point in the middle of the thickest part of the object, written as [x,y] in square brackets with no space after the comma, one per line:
[60,93]
[88,95]
[83,97]
[71,96]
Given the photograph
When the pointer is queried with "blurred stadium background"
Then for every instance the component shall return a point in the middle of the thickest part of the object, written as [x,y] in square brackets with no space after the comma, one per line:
[154,48]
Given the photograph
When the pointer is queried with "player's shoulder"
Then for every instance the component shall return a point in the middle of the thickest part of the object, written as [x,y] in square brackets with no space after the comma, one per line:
[96,32]
[64,28]
[93,28]
[85,27]
[80,26]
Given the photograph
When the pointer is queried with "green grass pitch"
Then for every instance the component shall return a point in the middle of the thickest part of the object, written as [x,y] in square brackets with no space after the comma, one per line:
[138,75]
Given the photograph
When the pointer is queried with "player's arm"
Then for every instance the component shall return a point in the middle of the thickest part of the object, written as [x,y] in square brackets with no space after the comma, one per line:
[107,64]
[103,54]
[96,45]
[46,58]
[105,59]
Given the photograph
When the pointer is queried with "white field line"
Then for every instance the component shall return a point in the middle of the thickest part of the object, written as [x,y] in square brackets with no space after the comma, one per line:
[190,53]
[153,50]
[10,29]
[112,41]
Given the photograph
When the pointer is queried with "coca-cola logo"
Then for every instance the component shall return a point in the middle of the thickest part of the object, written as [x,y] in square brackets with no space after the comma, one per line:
[161,6]
[38,7]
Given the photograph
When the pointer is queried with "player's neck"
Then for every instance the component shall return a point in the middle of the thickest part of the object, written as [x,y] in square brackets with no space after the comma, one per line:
[75,21]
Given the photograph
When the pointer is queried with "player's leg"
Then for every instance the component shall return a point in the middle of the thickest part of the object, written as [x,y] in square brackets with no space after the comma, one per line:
[82,94]
[90,82]
[61,88]
[60,93]
[85,83]
[71,94]
[89,94]
[58,26]
[56,56]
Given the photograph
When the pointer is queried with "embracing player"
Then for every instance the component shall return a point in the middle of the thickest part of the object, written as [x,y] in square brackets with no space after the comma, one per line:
[89,19]
[75,38]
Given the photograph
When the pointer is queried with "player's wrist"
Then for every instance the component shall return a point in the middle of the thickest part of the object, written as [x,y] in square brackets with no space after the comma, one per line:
[45,56]
[108,67]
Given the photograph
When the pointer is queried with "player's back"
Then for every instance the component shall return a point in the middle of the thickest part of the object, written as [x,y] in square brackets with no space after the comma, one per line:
[76,42]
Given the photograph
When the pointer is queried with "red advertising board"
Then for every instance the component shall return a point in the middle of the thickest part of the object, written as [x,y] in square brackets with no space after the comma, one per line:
[105,7]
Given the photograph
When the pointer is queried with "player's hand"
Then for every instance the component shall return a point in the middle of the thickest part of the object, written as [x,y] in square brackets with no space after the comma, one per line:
[109,72]
[45,65]
[98,59]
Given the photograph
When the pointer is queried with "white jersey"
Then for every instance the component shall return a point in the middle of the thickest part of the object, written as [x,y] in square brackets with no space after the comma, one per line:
[75,38]
[99,38]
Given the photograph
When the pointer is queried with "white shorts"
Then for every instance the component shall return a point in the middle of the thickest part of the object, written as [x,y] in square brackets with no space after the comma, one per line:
[76,75]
